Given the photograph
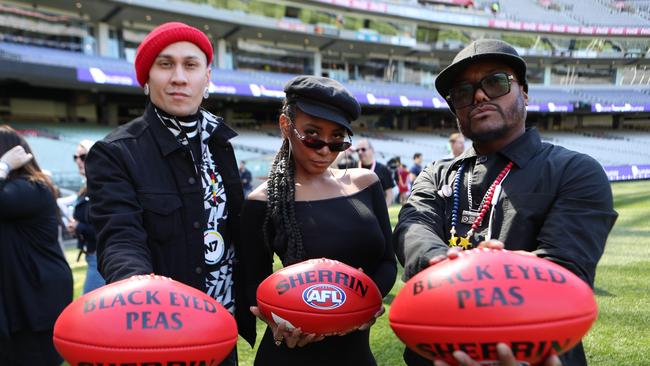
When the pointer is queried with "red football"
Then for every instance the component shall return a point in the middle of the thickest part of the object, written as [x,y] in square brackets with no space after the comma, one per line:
[486,296]
[145,320]
[319,296]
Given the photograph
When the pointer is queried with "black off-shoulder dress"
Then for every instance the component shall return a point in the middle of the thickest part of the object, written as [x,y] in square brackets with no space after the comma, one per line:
[352,229]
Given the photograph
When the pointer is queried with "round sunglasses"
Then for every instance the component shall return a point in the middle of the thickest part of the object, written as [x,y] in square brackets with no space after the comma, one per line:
[317,144]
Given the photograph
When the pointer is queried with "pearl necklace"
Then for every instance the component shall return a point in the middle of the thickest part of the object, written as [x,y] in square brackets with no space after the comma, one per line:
[485,206]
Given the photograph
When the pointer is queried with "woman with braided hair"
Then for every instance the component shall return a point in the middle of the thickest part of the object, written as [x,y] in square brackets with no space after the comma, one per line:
[307,209]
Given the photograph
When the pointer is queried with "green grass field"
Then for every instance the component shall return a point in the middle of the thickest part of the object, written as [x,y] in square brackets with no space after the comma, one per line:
[620,337]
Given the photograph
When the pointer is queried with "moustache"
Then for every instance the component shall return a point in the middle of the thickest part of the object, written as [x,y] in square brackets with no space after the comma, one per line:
[485,106]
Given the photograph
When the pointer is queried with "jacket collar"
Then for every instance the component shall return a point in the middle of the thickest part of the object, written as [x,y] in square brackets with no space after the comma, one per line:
[520,151]
[524,148]
[168,143]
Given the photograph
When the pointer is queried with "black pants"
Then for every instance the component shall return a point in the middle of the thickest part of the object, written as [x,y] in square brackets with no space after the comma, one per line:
[29,348]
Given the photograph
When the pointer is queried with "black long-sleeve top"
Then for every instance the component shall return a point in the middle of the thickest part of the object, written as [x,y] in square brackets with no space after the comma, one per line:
[352,229]
[35,279]
[555,202]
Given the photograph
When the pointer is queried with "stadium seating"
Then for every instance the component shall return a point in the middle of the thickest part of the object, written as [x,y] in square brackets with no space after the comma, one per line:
[538,93]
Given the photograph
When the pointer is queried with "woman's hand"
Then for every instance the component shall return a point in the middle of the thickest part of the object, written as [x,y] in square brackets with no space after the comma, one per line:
[506,358]
[16,157]
[364,326]
[291,337]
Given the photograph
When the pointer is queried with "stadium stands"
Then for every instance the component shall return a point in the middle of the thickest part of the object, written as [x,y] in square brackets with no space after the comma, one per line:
[538,93]
[533,11]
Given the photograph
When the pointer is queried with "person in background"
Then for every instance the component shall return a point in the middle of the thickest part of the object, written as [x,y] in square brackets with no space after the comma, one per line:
[416,168]
[165,190]
[456,144]
[81,226]
[346,159]
[403,183]
[367,161]
[35,281]
[509,190]
[307,209]
[246,178]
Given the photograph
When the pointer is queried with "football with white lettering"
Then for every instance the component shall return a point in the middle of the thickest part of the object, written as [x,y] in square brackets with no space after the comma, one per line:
[320,296]
[150,320]
[486,296]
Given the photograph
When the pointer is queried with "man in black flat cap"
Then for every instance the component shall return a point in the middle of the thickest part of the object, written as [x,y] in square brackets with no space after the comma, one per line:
[547,200]
[307,210]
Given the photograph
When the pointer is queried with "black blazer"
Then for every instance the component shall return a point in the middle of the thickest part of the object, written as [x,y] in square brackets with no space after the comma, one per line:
[147,206]
[35,281]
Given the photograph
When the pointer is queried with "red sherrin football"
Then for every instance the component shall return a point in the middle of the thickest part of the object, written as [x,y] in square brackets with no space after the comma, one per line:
[319,296]
[145,319]
[487,296]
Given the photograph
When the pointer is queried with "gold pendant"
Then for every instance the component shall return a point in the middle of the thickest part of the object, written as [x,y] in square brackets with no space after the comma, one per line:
[453,241]
[464,242]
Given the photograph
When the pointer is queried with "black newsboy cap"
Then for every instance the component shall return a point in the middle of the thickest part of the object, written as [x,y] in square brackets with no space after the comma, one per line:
[323,98]
[482,49]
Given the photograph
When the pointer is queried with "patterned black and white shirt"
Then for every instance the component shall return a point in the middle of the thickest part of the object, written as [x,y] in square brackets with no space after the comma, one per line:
[195,131]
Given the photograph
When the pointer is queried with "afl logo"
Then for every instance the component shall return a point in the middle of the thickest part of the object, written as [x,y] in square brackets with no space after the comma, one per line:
[324,296]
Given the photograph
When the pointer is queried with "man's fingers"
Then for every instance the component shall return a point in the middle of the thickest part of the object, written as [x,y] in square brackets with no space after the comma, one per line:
[463,359]
[505,355]
[491,244]
[437,259]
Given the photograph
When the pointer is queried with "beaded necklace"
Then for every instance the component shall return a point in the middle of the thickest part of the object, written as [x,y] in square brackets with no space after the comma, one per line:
[485,206]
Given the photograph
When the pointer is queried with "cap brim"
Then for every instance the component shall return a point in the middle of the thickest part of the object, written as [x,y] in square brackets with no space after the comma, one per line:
[325,112]
[450,73]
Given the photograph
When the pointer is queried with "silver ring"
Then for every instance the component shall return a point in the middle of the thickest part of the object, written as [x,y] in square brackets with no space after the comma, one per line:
[278,342]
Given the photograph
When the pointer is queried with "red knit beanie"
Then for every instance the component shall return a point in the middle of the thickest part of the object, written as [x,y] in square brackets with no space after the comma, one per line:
[160,38]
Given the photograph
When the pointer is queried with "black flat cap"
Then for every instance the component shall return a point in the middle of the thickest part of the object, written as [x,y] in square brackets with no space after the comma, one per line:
[483,49]
[323,98]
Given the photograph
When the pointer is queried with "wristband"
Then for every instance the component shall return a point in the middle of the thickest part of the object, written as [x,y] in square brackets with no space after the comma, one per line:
[5,166]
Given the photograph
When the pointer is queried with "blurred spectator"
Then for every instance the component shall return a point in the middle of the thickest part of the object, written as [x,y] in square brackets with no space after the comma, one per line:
[80,224]
[246,178]
[417,166]
[403,183]
[456,144]
[367,160]
[495,7]
[347,159]
[36,281]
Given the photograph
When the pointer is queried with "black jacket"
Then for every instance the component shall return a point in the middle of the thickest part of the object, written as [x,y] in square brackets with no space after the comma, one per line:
[85,231]
[35,280]
[147,206]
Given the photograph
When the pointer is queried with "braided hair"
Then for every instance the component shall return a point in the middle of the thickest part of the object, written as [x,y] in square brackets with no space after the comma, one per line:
[280,217]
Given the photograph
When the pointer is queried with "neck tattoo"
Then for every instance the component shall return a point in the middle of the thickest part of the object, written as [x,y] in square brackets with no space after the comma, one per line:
[465,242]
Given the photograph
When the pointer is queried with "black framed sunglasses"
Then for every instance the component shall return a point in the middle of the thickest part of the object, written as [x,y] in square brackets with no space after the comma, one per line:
[81,157]
[316,144]
[493,85]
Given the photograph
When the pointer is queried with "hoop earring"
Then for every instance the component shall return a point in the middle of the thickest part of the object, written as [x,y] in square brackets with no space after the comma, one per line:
[146,89]
[290,148]
[206,93]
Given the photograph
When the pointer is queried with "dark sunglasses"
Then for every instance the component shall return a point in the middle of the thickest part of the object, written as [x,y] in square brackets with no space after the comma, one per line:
[494,86]
[362,149]
[81,157]
[317,144]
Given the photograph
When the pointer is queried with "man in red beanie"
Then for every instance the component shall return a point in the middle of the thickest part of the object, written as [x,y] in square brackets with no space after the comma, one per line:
[165,189]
